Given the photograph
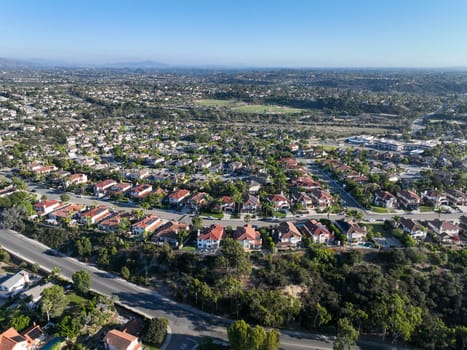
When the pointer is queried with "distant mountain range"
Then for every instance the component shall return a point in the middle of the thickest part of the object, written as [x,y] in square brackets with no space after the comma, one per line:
[10,63]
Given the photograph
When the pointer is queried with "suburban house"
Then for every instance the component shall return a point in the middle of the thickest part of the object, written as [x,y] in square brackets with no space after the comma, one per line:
[112,223]
[211,237]
[289,235]
[199,200]
[117,340]
[227,204]
[66,212]
[138,174]
[412,227]
[435,198]
[251,205]
[34,335]
[147,225]
[93,215]
[75,179]
[302,198]
[385,199]
[14,283]
[317,231]
[46,206]
[45,170]
[168,233]
[321,198]
[178,196]
[447,230]
[140,191]
[354,232]
[248,237]
[119,189]
[28,340]
[409,199]
[100,188]
[456,197]
[279,202]
[306,183]
[289,163]
[34,293]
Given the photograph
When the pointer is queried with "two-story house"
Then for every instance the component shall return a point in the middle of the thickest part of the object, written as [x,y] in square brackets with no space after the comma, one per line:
[318,232]
[248,237]
[289,236]
[211,237]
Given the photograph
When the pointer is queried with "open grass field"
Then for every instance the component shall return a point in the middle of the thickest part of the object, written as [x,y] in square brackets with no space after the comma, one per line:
[241,107]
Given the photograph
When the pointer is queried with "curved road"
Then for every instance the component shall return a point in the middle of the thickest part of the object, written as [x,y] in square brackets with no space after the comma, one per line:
[188,324]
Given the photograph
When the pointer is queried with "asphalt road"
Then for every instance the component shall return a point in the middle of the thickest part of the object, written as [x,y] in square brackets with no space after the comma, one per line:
[188,324]
[186,218]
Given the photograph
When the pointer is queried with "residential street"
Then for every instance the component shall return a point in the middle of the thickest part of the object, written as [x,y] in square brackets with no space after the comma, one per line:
[188,324]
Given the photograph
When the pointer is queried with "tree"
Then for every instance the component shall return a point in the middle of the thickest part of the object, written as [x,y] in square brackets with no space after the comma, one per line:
[53,301]
[19,322]
[238,334]
[83,246]
[155,330]
[81,281]
[125,272]
[54,274]
[243,337]
[19,183]
[322,316]
[69,326]
[347,335]
[64,197]
[257,337]
[272,340]
[197,223]
[13,218]
[402,317]
[235,256]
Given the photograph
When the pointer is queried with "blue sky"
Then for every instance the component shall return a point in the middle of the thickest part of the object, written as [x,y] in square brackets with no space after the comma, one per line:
[293,33]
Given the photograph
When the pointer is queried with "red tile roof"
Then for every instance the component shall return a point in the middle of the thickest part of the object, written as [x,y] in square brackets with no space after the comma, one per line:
[214,233]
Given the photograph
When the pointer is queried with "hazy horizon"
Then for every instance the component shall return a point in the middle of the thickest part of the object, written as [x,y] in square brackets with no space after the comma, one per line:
[262,34]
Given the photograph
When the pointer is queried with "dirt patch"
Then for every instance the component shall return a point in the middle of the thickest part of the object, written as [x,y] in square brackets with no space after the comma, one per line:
[294,290]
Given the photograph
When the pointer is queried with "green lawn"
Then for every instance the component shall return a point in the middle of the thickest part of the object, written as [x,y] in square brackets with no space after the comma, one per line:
[73,298]
[242,107]
[279,214]
[424,208]
[379,210]
[216,103]
[378,227]
[214,215]
[265,109]
[188,248]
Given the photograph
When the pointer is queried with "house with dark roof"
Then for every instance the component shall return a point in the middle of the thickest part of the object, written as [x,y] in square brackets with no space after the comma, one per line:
[412,227]
[318,232]
[385,199]
[408,199]
[169,233]
[354,232]
[289,236]
[14,283]
[321,198]
[448,231]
